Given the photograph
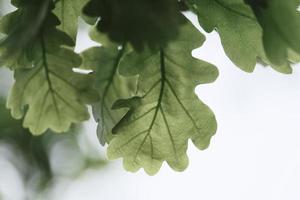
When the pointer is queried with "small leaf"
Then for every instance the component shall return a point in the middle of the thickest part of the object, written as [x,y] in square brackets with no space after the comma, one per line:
[110,86]
[160,122]
[102,38]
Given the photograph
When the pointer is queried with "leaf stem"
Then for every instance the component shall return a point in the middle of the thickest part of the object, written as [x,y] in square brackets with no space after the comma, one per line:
[162,87]
[158,105]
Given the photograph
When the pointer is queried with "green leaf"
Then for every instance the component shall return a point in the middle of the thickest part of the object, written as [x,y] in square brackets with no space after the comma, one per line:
[110,85]
[280,21]
[102,38]
[293,57]
[21,28]
[160,122]
[142,23]
[240,33]
[68,12]
[49,95]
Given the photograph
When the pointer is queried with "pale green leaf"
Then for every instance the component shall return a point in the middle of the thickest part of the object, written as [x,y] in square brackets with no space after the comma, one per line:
[293,57]
[49,95]
[110,85]
[168,113]
[68,12]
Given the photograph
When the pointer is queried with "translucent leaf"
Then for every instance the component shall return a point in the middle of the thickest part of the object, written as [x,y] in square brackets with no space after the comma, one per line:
[68,12]
[48,93]
[110,85]
[161,121]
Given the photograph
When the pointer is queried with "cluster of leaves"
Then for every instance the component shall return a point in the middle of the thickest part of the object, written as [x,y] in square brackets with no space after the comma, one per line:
[143,76]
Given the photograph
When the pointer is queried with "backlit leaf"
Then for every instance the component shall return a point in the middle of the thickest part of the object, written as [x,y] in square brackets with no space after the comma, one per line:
[110,85]
[49,95]
[161,121]
[68,12]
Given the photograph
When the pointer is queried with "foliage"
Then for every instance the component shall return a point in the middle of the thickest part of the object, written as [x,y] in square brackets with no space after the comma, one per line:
[143,76]
[32,156]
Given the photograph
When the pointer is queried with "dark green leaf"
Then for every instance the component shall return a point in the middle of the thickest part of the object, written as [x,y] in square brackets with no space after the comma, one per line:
[21,28]
[139,22]
[240,33]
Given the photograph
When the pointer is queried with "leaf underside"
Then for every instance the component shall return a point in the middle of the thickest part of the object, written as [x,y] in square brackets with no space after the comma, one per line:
[161,121]
[110,85]
[68,11]
[47,93]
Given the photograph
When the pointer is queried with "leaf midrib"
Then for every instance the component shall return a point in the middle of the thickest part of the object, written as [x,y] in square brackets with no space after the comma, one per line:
[163,82]
[158,105]
[46,67]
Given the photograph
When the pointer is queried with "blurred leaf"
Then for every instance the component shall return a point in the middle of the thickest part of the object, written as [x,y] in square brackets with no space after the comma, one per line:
[280,21]
[139,22]
[294,57]
[32,153]
[21,28]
